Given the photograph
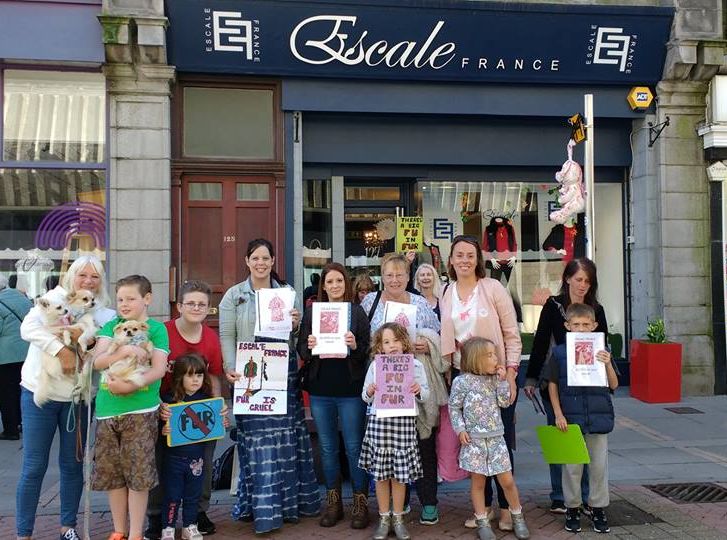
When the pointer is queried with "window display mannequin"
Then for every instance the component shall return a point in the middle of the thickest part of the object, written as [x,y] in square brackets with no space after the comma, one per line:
[500,246]
[569,239]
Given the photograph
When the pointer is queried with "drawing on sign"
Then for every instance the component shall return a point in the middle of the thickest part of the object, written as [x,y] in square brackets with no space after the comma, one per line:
[195,421]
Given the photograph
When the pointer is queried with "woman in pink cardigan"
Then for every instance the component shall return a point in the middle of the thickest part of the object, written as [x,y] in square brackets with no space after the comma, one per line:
[475,305]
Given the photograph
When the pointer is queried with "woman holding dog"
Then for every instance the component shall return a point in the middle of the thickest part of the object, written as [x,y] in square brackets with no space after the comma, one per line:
[277,480]
[41,423]
[579,284]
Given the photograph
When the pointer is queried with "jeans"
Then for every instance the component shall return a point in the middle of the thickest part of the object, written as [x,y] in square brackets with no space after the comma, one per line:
[182,477]
[39,429]
[351,411]
[556,471]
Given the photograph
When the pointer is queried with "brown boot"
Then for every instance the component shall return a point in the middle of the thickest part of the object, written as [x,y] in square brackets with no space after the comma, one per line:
[360,511]
[334,510]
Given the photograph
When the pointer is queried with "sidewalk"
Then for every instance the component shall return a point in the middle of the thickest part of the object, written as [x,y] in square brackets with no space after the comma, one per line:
[650,445]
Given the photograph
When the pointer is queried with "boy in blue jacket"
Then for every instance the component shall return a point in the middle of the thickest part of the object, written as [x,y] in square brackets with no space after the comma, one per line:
[591,408]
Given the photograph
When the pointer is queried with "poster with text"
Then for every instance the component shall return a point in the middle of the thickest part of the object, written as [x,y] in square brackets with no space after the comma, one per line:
[404,314]
[196,421]
[273,308]
[583,368]
[330,324]
[409,233]
[263,387]
[394,377]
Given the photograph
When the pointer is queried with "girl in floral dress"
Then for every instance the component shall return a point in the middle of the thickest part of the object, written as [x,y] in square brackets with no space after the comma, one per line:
[474,408]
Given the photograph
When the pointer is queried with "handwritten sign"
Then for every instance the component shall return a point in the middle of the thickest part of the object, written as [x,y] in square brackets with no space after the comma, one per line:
[263,387]
[196,421]
[394,377]
[409,233]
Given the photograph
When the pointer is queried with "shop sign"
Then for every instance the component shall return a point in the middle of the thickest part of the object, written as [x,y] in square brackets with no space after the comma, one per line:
[462,41]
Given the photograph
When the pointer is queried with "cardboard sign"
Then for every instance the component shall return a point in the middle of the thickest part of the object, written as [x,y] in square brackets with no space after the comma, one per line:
[409,233]
[394,377]
[563,447]
[263,387]
[196,421]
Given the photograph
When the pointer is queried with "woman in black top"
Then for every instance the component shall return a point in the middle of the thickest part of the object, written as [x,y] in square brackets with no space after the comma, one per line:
[335,385]
[578,285]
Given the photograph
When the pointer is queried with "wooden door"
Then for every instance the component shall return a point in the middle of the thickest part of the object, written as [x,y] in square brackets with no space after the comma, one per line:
[220,215]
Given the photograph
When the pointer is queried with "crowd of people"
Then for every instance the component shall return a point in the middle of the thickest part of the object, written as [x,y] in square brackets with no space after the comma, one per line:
[466,356]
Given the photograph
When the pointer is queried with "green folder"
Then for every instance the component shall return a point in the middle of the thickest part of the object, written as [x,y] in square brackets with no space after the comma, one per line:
[561,447]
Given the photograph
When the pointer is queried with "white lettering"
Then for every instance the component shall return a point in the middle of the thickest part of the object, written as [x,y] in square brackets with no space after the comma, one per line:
[465,61]
[537,64]
[335,47]
[500,64]
[554,65]
[519,63]
[611,47]
[482,63]
[229,24]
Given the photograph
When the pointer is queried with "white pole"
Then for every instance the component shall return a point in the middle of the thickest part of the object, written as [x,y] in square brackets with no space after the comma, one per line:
[589,178]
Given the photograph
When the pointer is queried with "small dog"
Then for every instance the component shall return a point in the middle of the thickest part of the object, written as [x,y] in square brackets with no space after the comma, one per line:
[60,317]
[129,368]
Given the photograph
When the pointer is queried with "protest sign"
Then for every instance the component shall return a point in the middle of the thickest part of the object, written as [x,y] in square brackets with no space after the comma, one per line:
[330,324]
[563,447]
[263,387]
[583,368]
[403,314]
[273,308]
[196,421]
[409,233]
[394,377]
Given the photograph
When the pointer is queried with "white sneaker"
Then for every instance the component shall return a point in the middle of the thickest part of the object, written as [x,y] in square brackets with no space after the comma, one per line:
[191,533]
[168,533]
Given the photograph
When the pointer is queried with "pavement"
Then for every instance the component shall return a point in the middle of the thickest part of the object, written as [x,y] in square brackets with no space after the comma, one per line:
[650,445]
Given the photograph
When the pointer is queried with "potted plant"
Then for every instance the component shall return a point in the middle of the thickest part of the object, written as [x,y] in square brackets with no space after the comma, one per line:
[656,366]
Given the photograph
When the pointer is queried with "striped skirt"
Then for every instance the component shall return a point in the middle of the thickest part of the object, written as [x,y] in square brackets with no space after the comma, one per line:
[390,449]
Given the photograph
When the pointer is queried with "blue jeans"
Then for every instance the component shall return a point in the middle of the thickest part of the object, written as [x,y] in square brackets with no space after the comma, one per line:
[39,429]
[351,411]
[182,479]
[556,471]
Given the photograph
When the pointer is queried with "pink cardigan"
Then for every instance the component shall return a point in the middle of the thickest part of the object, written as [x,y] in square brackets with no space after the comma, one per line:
[499,324]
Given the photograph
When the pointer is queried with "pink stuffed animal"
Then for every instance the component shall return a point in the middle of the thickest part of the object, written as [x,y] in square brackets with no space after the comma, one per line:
[572,193]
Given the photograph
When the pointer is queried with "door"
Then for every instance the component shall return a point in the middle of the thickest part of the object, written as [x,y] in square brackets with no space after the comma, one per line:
[370,211]
[220,215]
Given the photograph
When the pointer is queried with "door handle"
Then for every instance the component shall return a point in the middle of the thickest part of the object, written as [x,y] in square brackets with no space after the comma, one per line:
[213,311]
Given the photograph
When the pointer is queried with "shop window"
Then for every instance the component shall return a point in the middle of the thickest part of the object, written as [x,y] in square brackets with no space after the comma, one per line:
[378,193]
[53,116]
[228,123]
[522,247]
[47,218]
[317,234]
[253,192]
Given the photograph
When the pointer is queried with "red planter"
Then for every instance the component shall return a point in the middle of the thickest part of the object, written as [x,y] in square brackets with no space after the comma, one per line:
[656,371]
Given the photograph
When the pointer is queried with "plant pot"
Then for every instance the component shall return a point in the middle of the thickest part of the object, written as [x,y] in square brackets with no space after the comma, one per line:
[656,371]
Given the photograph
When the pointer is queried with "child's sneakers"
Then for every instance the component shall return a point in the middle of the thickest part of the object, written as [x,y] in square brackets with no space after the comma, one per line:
[600,523]
[430,515]
[167,533]
[191,533]
[519,526]
[573,520]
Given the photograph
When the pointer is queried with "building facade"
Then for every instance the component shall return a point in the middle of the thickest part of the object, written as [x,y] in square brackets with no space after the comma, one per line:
[317,124]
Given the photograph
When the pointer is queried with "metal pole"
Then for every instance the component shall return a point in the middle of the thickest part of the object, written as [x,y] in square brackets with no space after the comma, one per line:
[589,178]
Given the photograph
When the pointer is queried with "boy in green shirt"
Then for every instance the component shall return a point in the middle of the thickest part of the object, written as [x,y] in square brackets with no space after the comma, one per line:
[126,430]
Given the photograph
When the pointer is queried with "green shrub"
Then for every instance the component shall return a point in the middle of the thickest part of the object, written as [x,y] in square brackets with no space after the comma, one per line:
[655,331]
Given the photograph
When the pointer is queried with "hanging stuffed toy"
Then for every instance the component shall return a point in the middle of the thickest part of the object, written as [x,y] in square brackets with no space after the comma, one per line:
[572,193]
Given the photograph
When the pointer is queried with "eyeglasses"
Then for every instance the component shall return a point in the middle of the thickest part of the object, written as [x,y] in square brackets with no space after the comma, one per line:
[195,305]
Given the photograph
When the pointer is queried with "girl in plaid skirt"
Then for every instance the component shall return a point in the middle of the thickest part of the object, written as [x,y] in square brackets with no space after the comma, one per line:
[389,451]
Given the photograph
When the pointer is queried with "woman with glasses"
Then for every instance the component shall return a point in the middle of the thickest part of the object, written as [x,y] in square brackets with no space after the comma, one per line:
[579,284]
[394,278]
[277,480]
[334,386]
[474,305]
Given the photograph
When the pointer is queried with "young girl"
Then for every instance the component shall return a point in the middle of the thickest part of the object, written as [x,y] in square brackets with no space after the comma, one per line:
[181,473]
[474,408]
[389,450]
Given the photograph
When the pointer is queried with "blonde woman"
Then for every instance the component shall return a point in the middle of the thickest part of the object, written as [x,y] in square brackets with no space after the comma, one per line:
[426,281]
[41,423]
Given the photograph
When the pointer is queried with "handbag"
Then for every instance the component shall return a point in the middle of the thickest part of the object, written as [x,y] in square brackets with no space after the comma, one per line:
[315,255]
[448,446]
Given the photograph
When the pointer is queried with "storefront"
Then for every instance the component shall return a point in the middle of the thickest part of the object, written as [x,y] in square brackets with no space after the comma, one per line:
[339,117]
[53,133]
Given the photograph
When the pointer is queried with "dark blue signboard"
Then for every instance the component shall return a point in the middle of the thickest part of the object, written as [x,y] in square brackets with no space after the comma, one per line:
[436,41]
